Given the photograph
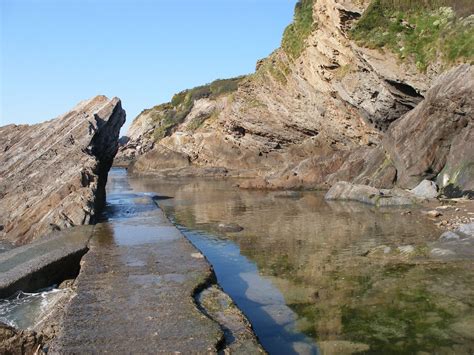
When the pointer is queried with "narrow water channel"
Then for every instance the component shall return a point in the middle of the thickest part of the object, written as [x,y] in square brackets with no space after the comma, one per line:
[335,278]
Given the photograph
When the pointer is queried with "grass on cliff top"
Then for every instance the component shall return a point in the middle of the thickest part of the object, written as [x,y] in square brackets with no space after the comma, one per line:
[423,32]
[295,35]
[173,113]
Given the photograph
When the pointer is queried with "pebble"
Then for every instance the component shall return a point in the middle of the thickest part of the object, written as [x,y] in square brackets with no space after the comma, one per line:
[433,213]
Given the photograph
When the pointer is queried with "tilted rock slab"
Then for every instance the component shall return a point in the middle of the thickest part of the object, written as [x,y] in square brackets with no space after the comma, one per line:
[436,137]
[53,174]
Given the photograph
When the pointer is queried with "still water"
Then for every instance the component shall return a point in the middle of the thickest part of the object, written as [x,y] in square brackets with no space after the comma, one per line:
[335,278]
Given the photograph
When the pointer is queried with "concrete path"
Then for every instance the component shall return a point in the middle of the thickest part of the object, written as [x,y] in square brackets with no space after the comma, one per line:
[136,286]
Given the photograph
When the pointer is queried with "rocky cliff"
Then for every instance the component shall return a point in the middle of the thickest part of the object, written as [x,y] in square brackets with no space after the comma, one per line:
[317,109]
[53,174]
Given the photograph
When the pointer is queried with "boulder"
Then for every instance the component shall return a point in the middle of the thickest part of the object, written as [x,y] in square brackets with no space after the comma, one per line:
[229,227]
[53,174]
[436,136]
[449,236]
[346,191]
[467,229]
[426,189]
[159,159]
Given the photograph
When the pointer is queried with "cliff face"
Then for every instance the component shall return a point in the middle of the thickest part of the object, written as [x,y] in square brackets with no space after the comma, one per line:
[314,112]
[53,174]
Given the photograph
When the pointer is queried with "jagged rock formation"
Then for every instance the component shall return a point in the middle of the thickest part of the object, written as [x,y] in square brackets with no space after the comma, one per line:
[53,174]
[305,120]
[420,142]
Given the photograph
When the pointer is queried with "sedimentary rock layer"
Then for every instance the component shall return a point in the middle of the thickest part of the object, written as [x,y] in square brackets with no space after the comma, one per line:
[53,174]
[337,111]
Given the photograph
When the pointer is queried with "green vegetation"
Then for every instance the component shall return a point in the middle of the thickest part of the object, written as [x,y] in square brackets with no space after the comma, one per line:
[421,31]
[461,7]
[171,114]
[199,121]
[295,34]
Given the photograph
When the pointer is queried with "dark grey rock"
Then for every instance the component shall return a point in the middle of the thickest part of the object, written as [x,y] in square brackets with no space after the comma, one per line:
[230,227]
[449,236]
[467,229]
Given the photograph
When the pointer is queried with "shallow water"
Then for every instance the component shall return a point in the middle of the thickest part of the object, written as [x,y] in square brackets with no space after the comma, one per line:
[26,310]
[311,276]
[332,277]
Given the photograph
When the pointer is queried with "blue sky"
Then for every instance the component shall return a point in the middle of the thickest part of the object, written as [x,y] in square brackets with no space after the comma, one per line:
[55,53]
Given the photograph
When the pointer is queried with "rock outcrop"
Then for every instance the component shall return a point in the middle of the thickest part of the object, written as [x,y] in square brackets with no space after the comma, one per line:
[337,111]
[53,174]
[437,135]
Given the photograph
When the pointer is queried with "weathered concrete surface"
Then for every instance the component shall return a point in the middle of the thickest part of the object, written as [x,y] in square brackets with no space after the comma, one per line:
[43,263]
[53,174]
[136,288]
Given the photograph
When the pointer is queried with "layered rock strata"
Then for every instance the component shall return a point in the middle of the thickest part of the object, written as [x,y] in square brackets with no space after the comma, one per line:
[337,111]
[53,174]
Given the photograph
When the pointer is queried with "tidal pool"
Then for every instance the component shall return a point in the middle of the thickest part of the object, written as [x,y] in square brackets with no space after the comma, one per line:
[334,278]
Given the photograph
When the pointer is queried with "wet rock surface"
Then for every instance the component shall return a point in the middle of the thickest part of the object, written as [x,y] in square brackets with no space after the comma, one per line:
[345,191]
[229,227]
[240,338]
[53,174]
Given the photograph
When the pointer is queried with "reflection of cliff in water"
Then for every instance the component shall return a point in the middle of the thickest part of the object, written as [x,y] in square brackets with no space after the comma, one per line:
[354,274]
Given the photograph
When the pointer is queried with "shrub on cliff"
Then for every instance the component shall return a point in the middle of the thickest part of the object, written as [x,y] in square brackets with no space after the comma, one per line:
[423,32]
[295,35]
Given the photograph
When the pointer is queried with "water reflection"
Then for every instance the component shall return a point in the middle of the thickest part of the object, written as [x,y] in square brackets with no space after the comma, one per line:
[351,277]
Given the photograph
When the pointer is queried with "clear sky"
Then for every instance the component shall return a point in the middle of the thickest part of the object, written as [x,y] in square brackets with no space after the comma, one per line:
[55,53]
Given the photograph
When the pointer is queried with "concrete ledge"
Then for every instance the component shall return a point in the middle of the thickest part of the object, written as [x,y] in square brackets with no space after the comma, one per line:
[45,262]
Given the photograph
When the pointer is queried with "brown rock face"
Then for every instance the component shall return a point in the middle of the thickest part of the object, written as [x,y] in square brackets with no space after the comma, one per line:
[312,121]
[53,174]
[437,134]
[13,341]
[333,99]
